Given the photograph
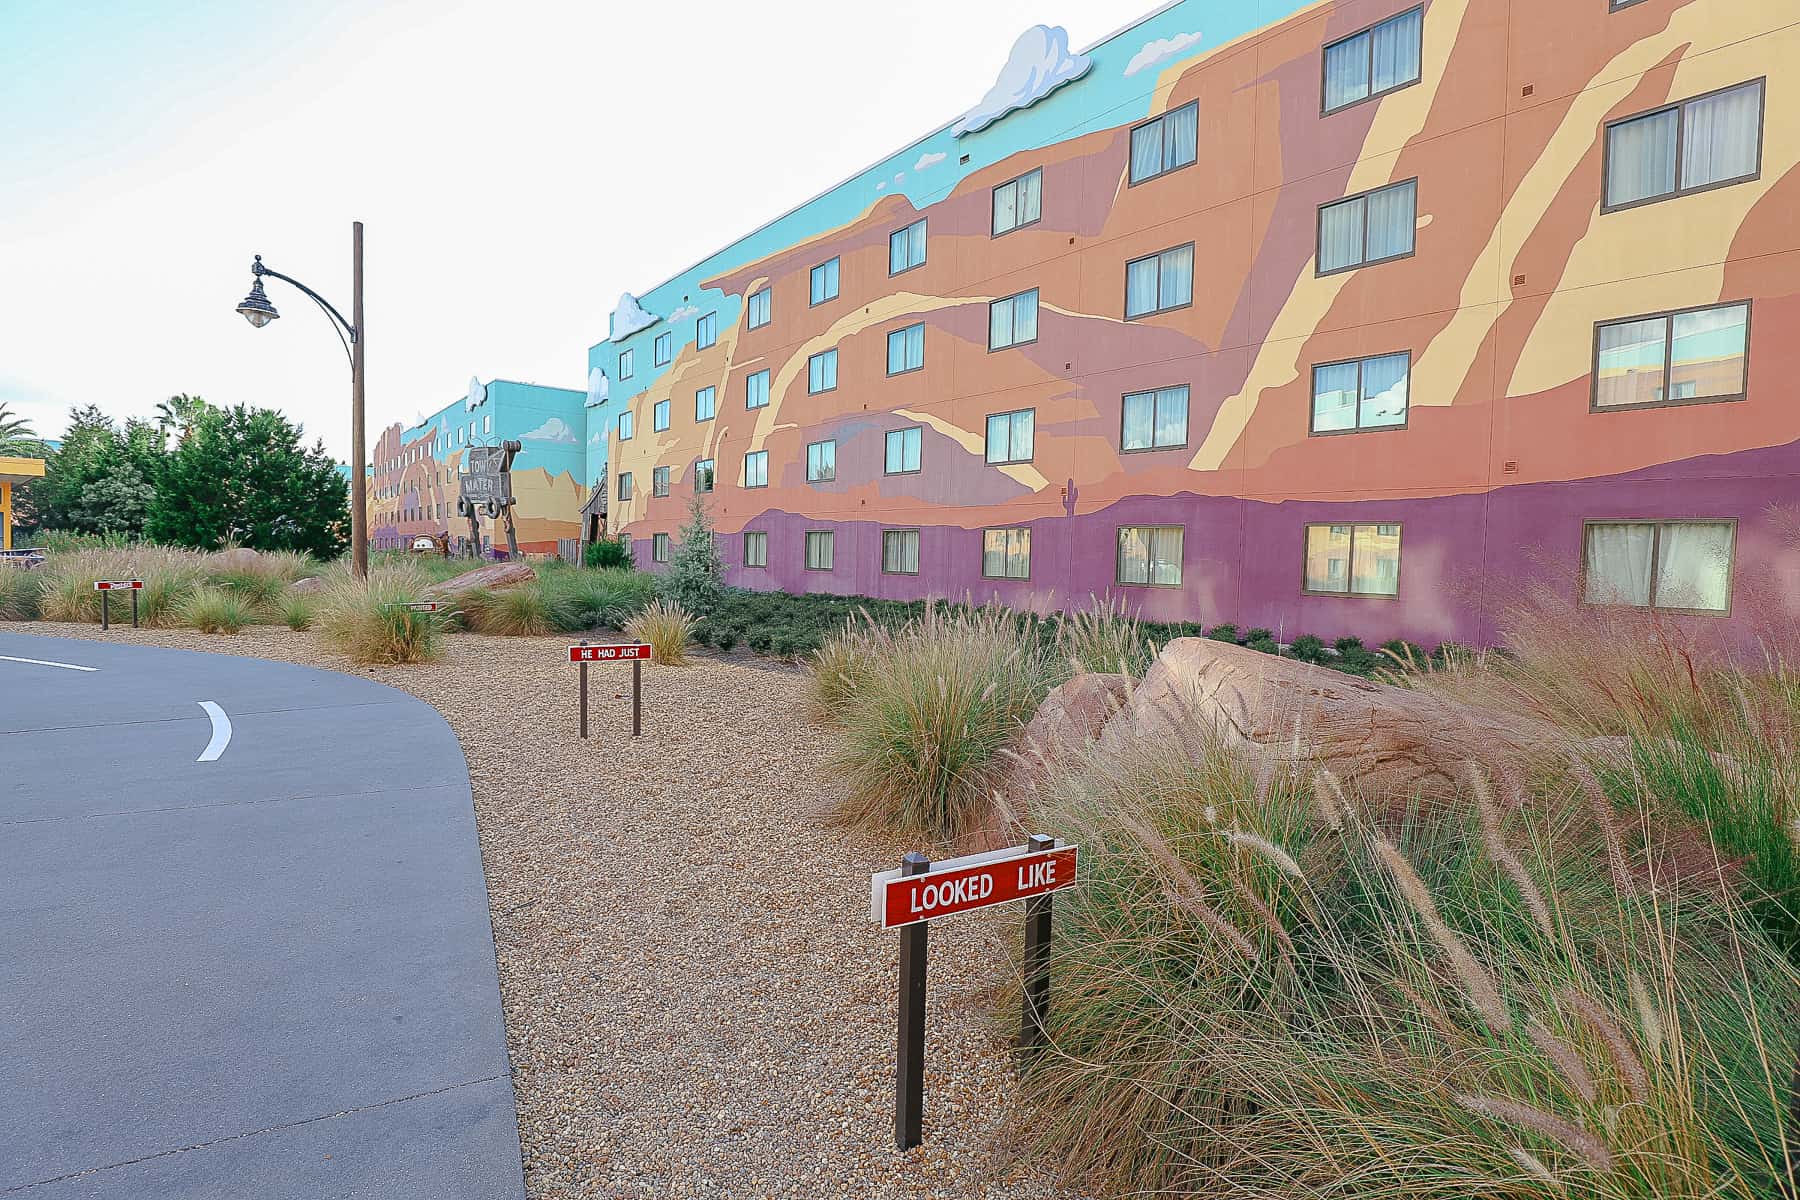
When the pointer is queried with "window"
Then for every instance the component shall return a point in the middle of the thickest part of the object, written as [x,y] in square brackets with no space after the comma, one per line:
[1155,420]
[906,349]
[659,481]
[821,372]
[759,308]
[706,331]
[1374,227]
[821,462]
[756,390]
[756,469]
[706,403]
[1009,436]
[1019,202]
[1686,357]
[906,248]
[665,349]
[627,425]
[756,548]
[1680,565]
[1159,282]
[626,360]
[1352,560]
[659,547]
[1379,60]
[819,549]
[903,451]
[625,485]
[1012,321]
[703,475]
[1006,553]
[1706,142]
[487,423]
[899,552]
[1166,143]
[825,282]
[659,416]
[1365,393]
[1150,555]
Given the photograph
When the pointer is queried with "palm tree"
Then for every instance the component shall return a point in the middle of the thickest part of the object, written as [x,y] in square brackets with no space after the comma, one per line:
[16,436]
[180,413]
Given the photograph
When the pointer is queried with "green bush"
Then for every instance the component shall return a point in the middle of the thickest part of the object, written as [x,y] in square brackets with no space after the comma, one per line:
[1224,633]
[607,553]
[520,611]
[215,610]
[1104,638]
[727,638]
[760,639]
[1308,648]
[368,621]
[703,634]
[696,575]
[20,593]
[579,599]
[296,610]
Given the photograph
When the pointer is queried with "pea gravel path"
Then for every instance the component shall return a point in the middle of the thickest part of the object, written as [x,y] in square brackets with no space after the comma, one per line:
[667,1037]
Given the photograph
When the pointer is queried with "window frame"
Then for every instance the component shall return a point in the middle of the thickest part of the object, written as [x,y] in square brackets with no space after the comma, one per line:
[836,261]
[1125,306]
[627,363]
[806,546]
[1761,83]
[1370,30]
[918,470]
[810,359]
[627,425]
[709,323]
[1669,315]
[1312,403]
[762,534]
[1319,229]
[750,378]
[665,342]
[699,392]
[1306,529]
[1614,6]
[661,547]
[712,476]
[625,487]
[1119,558]
[661,408]
[1656,562]
[831,478]
[748,455]
[917,546]
[1156,120]
[1026,530]
[892,334]
[750,321]
[660,483]
[907,229]
[1153,448]
[986,438]
[992,232]
[993,349]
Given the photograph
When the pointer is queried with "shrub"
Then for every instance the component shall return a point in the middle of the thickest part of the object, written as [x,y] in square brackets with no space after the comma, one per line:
[1308,648]
[367,621]
[1265,644]
[786,643]
[1409,655]
[727,638]
[67,581]
[667,627]
[840,666]
[607,553]
[519,611]
[923,728]
[760,640]
[696,575]
[1104,638]
[20,593]
[296,610]
[1224,633]
[261,590]
[215,610]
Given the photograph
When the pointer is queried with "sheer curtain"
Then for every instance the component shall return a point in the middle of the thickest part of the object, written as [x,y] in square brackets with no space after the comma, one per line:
[1721,136]
[1181,140]
[1392,215]
[1018,553]
[1640,158]
[1384,391]
[1334,397]
[1000,324]
[1147,151]
[1693,568]
[1171,416]
[1176,286]
[1140,287]
[1629,368]
[993,553]
[1138,429]
[1341,235]
[1165,556]
[1346,71]
[1020,440]
[1618,564]
[1395,54]
[1031,195]
[1006,207]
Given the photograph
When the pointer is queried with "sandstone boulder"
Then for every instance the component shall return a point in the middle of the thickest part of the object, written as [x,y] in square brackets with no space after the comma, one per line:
[493,576]
[237,558]
[311,585]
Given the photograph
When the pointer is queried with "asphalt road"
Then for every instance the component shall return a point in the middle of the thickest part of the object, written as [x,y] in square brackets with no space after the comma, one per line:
[267,974]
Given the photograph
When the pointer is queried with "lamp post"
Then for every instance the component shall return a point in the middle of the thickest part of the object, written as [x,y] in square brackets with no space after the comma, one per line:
[257,310]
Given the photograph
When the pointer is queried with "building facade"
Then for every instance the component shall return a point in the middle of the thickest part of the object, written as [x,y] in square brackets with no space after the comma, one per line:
[413,487]
[1339,317]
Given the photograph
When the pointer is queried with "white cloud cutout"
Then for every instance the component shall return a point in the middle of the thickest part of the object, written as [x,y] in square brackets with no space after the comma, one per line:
[552,430]
[1161,50]
[597,439]
[629,317]
[477,395]
[882,186]
[900,176]
[928,161]
[683,313]
[1040,63]
[599,387]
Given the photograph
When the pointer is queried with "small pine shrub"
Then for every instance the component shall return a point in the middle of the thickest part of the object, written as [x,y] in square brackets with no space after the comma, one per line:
[1407,654]
[727,638]
[1308,648]
[703,634]
[760,639]
[607,553]
[214,610]
[296,610]
[667,627]
[785,643]
[1265,645]
[1224,633]
[696,577]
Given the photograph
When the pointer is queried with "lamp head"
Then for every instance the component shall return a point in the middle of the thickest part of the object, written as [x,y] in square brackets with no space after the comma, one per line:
[255,307]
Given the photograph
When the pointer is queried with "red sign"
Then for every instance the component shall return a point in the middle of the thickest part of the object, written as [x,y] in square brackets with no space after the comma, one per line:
[119,585]
[609,653]
[960,885]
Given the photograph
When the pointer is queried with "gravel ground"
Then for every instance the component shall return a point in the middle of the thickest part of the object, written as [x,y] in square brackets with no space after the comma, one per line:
[696,1002]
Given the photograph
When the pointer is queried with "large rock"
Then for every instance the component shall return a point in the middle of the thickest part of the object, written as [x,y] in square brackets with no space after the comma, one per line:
[311,585]
[1388,740]
[237,558]
[493,576]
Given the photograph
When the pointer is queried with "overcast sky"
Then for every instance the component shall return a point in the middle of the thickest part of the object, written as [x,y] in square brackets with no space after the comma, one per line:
[516,165]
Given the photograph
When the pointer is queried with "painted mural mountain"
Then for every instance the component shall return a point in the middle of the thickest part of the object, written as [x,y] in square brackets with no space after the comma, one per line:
[1341,317]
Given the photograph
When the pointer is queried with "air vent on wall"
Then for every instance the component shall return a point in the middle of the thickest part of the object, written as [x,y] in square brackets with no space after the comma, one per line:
[1528,89]
[964,160]
[1518,281]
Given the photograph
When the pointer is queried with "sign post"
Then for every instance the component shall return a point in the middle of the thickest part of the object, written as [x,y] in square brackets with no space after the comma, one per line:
[422,606]
[106,587]
[637,653]
[909,898]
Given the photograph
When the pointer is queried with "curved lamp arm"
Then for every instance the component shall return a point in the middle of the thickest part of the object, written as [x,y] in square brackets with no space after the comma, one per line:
[257,268]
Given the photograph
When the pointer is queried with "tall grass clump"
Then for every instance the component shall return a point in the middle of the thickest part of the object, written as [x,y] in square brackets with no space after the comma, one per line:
[923,722]
[367,621]
[215,610]
[580,598]
[296,610]
[67,581]
[839,668]
[667,627]
[21,592]
[1105,638]
[519,611]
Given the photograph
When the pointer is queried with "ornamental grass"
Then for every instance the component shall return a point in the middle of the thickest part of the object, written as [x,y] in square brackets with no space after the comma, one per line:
[368,622]
[211,609]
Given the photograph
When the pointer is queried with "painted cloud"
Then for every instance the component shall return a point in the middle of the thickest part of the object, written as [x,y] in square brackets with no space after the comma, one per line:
[1040,63]
[599,387]
[928,161]
[553,430]
[477,395]
[683,312]
[630,317]
[1160,51]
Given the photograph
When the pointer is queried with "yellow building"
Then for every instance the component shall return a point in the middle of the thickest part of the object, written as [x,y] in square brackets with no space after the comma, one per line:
[14,470]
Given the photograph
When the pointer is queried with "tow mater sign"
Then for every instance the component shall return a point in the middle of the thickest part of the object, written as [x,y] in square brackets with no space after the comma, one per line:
[964,884]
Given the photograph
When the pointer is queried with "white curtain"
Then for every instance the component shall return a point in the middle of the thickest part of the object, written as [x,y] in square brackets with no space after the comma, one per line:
[1384,382]
[1722,136]
[1138,429]
[998,438]
[1392,215]
[1181,136]
[1022,436]
[1347,71]
[1176,286]
[1334,397]
[1375,561]
[1140,287]
[1018,553]
[1395,53]
[1629,366]
[993,553]
[1006,207]
[1134,555]
[1025,314]
[1328,558]
[1618,564]
[1031,195]
[1165,556]
[897,252]
[1640,158]
[1147,151]
[1171,416]
[1693,567]
[915,243]
[1341,235]
[1000,324]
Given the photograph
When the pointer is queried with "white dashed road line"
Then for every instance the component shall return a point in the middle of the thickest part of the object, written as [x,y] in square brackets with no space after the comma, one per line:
[221,732]
[44,662]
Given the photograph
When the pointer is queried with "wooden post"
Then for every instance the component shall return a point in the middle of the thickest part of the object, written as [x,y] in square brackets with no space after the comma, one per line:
[909,1049]
[1037,959]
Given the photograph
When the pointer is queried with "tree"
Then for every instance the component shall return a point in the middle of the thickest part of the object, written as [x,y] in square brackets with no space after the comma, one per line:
[696,575]
[102,479]
[241,475]
[180,413]
[16,436]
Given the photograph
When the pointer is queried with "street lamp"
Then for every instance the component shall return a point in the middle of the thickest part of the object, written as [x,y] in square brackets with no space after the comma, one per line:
[257,310]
